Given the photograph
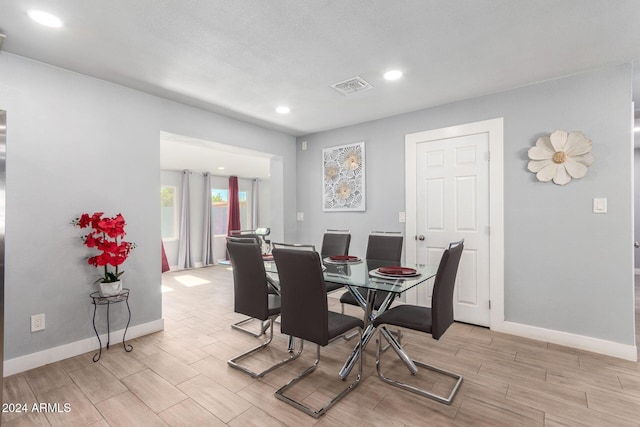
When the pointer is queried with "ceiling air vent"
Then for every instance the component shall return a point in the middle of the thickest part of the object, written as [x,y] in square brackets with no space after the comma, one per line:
[352,85]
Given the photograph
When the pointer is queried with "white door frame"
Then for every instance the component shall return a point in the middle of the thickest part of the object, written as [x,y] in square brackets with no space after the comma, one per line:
[494,128]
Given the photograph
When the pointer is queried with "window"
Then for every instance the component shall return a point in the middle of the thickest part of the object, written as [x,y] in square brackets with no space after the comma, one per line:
[219,211]
[169,215]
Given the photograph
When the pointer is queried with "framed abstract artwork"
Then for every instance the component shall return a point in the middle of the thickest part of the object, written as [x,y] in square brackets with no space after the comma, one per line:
[343,183]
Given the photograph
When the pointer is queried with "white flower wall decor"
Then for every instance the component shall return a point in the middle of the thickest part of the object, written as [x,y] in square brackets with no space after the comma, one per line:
[343,181]
[560,156]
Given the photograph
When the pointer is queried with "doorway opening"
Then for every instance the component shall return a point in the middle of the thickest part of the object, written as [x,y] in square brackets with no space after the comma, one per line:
[493,132]
[259,183]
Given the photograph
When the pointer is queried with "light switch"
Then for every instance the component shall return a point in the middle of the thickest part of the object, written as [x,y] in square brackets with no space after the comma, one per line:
[300,216]
[600,205]
[402,217]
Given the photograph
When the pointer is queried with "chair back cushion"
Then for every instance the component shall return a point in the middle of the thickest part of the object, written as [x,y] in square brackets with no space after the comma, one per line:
[384,248]
[249,279]
[304,312]
[335,244]
[442,297]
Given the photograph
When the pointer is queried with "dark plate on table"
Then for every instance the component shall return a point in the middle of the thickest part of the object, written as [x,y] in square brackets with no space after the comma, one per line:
[397,272]
[342,259]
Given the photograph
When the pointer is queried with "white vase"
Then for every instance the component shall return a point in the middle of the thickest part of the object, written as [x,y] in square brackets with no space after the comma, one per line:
[110,289]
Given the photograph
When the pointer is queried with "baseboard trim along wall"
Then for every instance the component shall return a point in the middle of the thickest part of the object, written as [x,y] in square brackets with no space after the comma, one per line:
[41,358]
[595,345]
[51,355]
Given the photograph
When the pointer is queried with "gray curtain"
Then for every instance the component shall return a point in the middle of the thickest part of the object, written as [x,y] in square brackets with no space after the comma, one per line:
[255,187]
[184,238]
[207,238]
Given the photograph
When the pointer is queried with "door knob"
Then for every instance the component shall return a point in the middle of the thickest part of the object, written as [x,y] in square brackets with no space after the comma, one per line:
[420,237]
[636,245]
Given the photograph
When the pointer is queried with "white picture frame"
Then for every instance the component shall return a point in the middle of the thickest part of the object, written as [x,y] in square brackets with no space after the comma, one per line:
[343,178]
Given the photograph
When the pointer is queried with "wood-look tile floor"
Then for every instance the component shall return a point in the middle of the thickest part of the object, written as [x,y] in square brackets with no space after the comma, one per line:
[179,377]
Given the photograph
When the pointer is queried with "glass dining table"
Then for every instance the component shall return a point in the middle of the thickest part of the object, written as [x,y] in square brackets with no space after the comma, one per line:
[364,275]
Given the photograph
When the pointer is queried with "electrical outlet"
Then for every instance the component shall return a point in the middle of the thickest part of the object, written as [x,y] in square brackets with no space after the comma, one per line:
[37,322]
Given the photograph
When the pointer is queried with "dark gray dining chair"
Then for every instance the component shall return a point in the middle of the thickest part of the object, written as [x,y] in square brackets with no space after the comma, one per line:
[434,320]
[252,298]
[294,246]
[276,278]
[335,242]
[331,287]
[385,246]
[382,246]
[244,238]
[246,234]
[305,315]
[272,288]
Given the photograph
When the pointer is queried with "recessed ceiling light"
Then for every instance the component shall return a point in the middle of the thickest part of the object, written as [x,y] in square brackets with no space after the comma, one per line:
[44,18]
[283,109]
[393,75]
[220,168]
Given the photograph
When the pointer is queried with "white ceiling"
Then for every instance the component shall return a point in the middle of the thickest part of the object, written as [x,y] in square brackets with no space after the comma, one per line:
[178,152]
[243,58]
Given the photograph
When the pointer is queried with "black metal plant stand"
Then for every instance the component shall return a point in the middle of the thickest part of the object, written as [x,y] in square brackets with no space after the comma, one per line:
[114,299]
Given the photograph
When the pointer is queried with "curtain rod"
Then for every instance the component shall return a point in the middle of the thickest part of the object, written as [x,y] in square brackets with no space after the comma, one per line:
[202,173]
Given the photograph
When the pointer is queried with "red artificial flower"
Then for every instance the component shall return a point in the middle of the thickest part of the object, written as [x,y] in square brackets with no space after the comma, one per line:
[90,241]
[107,246]
[84,220]
[117,259]
[105,238]
[95,218]
[100,260]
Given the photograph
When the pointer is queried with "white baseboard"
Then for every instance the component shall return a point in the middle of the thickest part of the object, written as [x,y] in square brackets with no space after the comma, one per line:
[595,345]
[51,355]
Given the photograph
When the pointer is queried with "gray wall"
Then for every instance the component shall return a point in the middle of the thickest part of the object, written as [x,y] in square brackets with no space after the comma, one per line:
[566,269]
[636,163]
[77,144]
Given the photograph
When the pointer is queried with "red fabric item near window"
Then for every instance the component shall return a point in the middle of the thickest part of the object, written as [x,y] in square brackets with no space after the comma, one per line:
[165,262]
[234,206]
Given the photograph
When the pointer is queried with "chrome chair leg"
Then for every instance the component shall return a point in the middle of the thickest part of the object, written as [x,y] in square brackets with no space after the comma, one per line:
[263,327]
[234,362]
[317,413]
[443,399]
[347,337]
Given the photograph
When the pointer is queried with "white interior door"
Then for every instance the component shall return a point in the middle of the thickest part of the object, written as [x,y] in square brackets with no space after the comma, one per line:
[452,203]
